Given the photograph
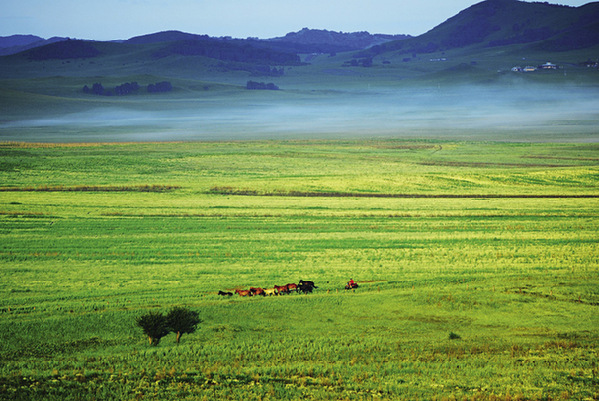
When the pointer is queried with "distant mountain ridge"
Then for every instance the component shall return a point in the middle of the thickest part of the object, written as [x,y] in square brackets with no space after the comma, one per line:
[490,23]
[165,36]
[18,40]
[304,41]
[343,40]
[17,43]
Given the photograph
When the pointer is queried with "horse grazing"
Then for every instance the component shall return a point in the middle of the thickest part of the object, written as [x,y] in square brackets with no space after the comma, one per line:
[225,294]
[270,291]
[257,291]
[244,293]
[281,289]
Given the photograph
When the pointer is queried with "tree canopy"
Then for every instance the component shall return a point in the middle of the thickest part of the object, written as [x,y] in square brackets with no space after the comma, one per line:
[182,321]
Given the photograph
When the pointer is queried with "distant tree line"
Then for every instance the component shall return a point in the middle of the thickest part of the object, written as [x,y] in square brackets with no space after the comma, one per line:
[127,88]
[552,5]
[253,85]
[163,86]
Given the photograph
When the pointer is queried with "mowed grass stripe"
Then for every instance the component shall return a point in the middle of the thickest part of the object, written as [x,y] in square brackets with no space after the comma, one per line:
[92,188]
[324,194]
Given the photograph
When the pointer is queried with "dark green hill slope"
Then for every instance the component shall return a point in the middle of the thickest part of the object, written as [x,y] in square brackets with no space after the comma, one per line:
[494,23]
[68,49]
[224,50]
[182,58]
[228,51]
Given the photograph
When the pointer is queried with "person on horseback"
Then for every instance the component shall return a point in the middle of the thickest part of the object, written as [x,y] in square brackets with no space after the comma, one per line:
[351,283]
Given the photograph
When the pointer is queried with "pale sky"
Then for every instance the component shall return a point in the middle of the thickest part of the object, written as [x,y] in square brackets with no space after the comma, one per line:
[122,19]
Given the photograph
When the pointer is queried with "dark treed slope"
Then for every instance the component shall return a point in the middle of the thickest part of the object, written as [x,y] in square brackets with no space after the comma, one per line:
[218,49]
[224,49]
[228,50]
[494,23]
[68,49]
[304,41]
[582,34]
[337,41]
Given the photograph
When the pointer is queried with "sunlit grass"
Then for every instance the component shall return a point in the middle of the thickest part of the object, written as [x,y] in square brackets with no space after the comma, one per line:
[465,297]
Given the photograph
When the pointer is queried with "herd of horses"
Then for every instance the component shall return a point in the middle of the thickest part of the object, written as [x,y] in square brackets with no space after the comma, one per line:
[304,287]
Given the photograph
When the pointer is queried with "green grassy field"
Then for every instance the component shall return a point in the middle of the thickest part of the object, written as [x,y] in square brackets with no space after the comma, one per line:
[477,262]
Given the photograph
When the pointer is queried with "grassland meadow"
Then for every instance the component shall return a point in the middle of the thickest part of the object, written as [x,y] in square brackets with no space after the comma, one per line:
[477,265]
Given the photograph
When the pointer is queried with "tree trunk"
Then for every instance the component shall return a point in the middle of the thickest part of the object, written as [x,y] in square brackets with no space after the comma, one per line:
[178,336]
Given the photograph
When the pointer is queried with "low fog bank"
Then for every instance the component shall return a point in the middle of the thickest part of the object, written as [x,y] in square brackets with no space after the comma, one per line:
[471,113]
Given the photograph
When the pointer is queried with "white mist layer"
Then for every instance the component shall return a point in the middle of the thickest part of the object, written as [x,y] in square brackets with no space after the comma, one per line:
[462,113]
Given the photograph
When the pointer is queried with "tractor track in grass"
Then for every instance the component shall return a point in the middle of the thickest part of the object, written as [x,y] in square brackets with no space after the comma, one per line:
[232,191]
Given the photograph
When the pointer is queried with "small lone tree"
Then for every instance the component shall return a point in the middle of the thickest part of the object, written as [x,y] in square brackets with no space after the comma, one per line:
[182,320]
[154,325]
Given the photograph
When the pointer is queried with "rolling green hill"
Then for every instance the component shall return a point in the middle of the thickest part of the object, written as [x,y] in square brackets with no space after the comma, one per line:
[490,35]
[498,26]
[495,23]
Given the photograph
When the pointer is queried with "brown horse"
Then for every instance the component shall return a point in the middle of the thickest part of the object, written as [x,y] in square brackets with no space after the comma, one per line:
[281,289]
[257,291]
[291,287]
[244,293]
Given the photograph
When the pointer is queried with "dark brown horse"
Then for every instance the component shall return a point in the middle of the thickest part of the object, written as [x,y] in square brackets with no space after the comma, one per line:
[257,291]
